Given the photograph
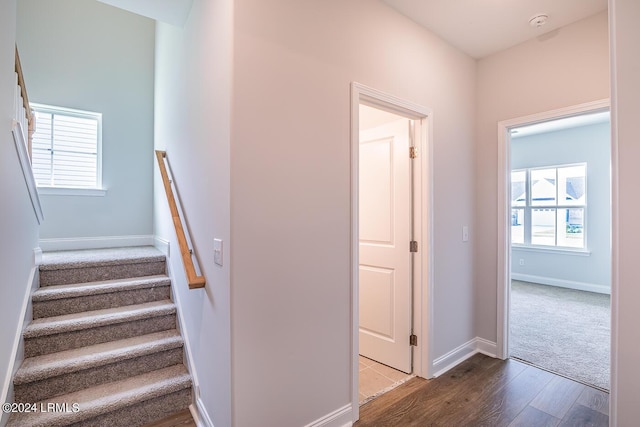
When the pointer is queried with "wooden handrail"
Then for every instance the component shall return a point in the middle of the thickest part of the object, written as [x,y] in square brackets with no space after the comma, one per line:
[193,279]
[25,103]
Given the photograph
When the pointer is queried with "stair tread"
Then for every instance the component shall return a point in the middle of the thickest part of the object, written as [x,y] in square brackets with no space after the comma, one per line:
[64,362]
[108,397]
[90,319]
[55,292]
[61,260]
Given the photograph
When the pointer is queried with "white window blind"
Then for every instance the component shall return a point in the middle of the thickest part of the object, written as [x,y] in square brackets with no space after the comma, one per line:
[66,148]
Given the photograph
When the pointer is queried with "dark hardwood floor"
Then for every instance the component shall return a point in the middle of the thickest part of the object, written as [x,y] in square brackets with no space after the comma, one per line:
[483,391]
[180,419]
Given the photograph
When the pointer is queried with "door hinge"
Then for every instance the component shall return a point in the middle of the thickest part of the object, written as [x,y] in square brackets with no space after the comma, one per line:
[413,152]
[413,246]
[413,340]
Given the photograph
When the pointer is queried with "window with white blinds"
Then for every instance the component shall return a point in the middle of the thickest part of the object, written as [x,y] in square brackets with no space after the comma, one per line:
[66,148]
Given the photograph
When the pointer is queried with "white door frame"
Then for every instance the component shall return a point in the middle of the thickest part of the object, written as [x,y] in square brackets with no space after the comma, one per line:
[423,217]
[504,205]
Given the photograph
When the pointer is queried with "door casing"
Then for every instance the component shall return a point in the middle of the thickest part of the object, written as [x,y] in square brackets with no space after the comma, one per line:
[423,226]
[504,206]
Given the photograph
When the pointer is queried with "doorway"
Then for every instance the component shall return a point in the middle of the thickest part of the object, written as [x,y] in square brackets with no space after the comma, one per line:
[554,266]
[391,220]
[386,224]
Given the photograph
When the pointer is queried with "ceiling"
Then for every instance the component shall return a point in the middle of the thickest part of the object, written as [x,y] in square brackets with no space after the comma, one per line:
[483,27]
[173,12]
[561,124]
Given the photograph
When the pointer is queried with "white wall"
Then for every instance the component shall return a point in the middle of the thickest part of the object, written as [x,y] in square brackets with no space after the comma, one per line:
[192,117]
[568,67]
[625,385]
[19,226]
[290,185]
[91,56]
[584,144]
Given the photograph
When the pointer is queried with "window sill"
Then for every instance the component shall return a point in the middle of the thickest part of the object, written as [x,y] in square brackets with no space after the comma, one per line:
[552,250]
[65,191]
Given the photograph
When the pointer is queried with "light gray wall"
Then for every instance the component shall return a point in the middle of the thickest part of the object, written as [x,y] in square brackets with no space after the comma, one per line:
[625,374]
[90,56]
[290,187]
[569,67]
[272,178]
[585,144]
[193,98]
[18,226]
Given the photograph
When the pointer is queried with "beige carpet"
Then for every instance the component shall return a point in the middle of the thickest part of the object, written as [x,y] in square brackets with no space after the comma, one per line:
[103,348]
[562,330]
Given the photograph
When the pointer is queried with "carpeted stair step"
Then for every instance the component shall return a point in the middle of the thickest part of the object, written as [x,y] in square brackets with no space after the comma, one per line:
[57,300]
[81,266]
[43,377]
[131,402]
[59,333]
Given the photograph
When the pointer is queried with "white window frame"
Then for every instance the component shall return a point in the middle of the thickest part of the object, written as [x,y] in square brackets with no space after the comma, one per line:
[528,207]
[98,190]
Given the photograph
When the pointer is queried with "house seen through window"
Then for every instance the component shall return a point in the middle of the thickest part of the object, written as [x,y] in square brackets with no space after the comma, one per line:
[66,148]
[548,206]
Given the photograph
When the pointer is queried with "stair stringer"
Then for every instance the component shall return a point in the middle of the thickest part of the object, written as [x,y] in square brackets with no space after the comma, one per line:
[198,410]
[17,352]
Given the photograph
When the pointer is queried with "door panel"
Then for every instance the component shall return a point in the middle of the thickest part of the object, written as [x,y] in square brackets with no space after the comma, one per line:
[385,232]
[377,290]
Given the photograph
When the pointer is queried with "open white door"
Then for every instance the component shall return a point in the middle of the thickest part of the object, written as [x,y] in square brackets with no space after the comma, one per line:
[385,235]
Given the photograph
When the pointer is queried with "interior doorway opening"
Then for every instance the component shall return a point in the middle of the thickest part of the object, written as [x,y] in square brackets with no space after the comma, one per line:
[386,225]
[391,238]
[554,275]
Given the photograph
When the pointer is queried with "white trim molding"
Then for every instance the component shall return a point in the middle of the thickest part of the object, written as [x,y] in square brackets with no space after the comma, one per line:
[461,353]
[198,411]
[68,191]
[200,415]
[27,171]
[504,202]
[423,214]
[341,417]
[17,351]
[73,243]
[561,283]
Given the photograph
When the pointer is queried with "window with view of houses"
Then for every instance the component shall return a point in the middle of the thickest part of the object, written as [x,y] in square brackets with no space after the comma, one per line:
[548,206]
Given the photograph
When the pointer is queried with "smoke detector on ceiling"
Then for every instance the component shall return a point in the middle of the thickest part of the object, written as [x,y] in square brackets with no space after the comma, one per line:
[538,20]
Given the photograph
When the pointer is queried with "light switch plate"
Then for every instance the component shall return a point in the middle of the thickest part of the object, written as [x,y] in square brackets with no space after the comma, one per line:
[217,251]
[465,234]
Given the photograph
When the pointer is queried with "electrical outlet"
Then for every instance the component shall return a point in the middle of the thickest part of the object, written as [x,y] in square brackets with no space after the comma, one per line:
[521,261]
[217,251]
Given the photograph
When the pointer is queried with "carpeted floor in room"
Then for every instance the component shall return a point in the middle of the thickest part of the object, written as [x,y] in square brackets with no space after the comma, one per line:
[562,330]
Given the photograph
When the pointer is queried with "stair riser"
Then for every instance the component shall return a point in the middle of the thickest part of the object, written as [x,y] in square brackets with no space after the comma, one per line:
[142,413]
[74,381]
[98,273]
[37,346]
[64,306]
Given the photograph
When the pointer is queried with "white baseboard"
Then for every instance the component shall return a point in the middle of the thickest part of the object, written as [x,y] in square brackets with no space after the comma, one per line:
[198,411]
[162,245]
[74,243]
[200,415]
[460,354]
[561,283]
[17,352]
[341,417]
[486,347]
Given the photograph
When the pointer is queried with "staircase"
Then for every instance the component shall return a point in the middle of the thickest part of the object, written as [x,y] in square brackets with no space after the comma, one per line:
[103,348]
